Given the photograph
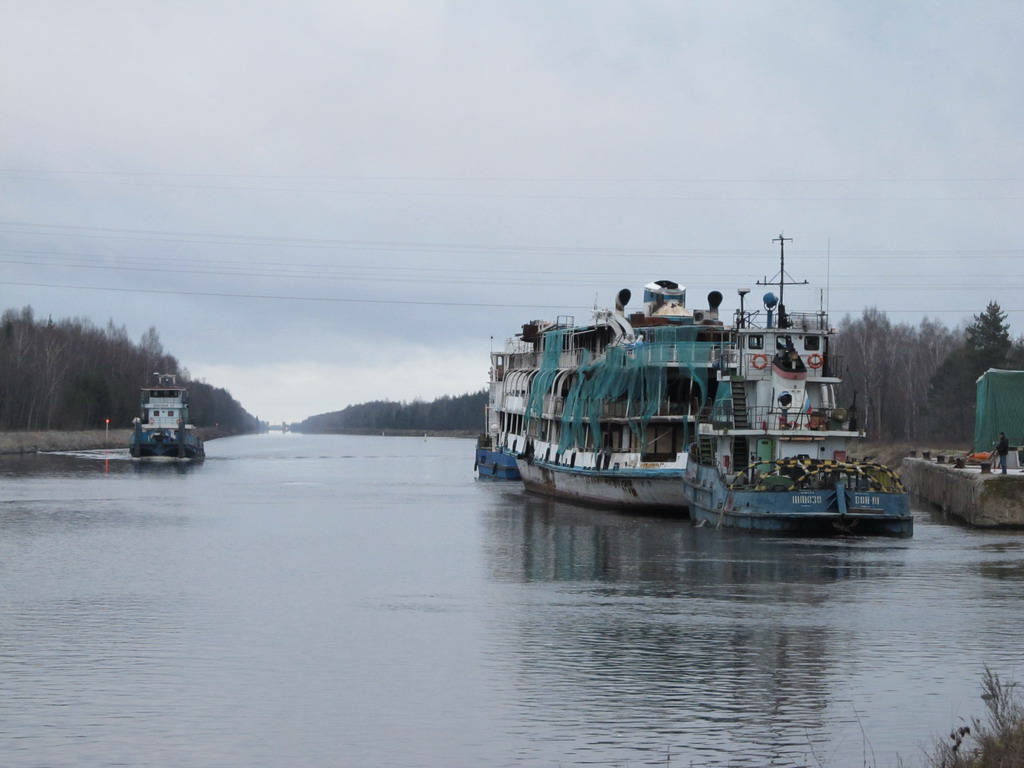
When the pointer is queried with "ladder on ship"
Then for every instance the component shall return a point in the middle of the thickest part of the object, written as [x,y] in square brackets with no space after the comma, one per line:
[706,450]
[740,447]
[739,407]
[740,454]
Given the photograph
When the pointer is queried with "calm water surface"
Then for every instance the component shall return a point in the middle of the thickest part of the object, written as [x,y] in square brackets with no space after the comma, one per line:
[359,601]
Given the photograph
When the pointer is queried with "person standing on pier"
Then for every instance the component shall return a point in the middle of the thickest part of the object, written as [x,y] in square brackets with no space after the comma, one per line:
[1002,448]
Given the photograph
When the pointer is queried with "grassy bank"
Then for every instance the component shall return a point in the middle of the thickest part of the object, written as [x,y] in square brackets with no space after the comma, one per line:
[84,440]
[995,742]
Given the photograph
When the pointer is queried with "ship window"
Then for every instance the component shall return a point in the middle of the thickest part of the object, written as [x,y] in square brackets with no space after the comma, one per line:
[660,440]
[755,341]
[170,413]
[812,343]
[783,342]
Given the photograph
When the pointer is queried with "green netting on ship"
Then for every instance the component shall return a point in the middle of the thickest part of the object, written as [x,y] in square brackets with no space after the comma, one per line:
[636,375]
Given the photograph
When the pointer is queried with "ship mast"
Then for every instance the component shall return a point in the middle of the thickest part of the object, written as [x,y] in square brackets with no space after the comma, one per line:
[781,276]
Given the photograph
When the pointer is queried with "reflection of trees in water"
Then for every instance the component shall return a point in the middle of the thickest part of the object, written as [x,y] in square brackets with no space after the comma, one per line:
[708,641]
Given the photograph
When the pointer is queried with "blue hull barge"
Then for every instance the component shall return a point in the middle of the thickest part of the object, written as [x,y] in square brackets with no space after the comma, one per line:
[771,452]
[163,431]
[805,498]
[496,464]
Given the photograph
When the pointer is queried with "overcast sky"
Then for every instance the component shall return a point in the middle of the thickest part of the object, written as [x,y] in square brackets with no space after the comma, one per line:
[320,203]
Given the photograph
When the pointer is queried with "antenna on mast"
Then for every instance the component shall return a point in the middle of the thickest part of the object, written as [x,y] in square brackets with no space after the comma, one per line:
[828,273]
[781,277]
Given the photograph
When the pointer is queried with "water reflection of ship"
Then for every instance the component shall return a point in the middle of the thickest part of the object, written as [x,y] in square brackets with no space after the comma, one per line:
[717,643]
[538,539]
[178,467]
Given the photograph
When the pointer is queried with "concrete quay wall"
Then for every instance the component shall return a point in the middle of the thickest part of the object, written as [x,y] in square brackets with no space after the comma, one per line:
[979,500]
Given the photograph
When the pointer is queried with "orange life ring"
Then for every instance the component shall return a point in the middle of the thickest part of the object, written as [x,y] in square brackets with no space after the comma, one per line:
[759,361]
[815,360]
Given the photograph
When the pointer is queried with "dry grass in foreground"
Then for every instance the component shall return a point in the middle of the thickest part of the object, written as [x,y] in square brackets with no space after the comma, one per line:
[997,741]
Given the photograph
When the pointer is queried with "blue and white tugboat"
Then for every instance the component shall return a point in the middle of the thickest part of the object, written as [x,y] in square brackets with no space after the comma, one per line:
[772,447]
[163,431]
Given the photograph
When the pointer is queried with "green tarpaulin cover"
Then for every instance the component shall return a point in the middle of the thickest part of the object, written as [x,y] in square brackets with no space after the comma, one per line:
[1000,408]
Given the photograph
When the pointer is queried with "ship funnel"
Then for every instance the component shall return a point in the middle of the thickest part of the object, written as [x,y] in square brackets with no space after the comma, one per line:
[622,299]
[714,302]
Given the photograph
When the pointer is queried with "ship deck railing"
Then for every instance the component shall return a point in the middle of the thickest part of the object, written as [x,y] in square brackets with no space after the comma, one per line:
[554,407]
[796,321]
[758,365]
[619,409]
[667,355]
[765,418]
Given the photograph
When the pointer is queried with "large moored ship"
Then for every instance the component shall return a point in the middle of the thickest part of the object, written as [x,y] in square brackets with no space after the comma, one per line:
[603,412]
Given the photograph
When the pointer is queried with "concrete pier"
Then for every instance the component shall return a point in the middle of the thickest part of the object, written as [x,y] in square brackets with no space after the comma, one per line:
[978,499]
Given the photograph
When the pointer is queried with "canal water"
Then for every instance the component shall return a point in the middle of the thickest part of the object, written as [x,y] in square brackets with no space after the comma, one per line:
[364,601]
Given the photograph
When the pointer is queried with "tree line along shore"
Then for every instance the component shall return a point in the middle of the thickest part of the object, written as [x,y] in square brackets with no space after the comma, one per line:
[70,376]
[906,384]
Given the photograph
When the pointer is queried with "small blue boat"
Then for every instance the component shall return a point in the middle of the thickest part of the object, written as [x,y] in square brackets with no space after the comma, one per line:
[492,460]
[494,463]
[163,431]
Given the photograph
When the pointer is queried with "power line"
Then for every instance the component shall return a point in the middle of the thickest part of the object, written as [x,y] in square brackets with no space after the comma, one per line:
[769,195]
[213,238]
[327,299]
[470,277]
[320,271]
[335,299]
[22,172]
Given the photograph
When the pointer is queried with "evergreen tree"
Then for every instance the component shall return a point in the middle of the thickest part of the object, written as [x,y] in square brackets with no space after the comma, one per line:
[951,398]
[1015,358]
[953,390]
[988,340]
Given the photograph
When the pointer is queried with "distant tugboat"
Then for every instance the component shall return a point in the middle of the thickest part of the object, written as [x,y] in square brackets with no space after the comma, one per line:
[163,431]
